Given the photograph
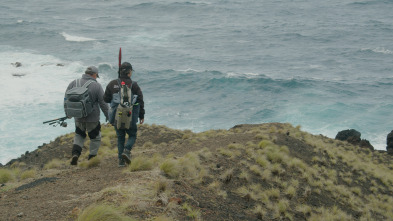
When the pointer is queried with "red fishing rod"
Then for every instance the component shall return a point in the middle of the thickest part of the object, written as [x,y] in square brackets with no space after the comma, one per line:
[119,61]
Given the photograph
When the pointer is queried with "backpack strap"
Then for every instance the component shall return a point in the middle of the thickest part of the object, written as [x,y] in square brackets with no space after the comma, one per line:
[78,83]
[118,81]
[87,83]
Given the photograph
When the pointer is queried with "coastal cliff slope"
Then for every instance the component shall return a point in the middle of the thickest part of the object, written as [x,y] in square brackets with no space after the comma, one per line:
[271,171]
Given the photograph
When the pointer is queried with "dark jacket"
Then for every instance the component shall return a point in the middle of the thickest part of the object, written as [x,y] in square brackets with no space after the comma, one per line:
[113,87]
[96,93]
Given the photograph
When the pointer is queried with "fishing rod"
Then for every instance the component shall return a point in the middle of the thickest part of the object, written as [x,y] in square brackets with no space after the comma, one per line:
[58,121]
[119,61]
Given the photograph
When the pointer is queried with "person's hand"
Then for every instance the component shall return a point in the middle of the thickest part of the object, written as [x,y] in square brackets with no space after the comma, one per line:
[141,121]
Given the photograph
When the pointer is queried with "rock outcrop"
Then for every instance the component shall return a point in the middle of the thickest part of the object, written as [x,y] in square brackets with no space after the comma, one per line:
[353,136]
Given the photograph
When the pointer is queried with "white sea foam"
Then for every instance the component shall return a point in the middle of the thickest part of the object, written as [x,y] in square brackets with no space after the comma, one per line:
[69,37]
[244,75]
[382,50]
[29,100]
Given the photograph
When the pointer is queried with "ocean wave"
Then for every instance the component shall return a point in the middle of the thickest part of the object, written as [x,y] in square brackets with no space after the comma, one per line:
[366,3]
[169,6]
[380,50]
[75,38]
[244,75]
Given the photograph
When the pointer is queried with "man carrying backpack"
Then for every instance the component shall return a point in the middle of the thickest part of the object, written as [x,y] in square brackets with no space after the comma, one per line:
[126,106]
[83,100]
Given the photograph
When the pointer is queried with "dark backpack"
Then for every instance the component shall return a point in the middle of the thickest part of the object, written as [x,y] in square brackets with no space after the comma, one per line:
[77,102]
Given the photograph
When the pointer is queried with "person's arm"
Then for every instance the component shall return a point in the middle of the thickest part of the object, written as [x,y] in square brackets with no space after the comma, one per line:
[141,103]
[104,106]
[108,93]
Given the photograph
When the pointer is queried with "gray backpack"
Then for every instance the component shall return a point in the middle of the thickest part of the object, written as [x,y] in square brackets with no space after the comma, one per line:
[77,102]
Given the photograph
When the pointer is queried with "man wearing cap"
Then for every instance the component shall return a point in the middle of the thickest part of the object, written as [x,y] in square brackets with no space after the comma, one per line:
[124,148]
[91,123]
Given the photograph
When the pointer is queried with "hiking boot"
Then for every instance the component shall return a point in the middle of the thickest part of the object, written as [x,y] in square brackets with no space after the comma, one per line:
[91,156]
[74,160]
[121,163]
[126,155]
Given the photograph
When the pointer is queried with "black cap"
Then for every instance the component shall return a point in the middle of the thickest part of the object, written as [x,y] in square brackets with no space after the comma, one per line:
[125,68]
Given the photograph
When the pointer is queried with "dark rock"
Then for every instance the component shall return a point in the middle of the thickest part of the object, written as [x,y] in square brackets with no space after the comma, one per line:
[61,65]
[389,143]
[11,162]
[17,64]
[366,143]
[36,183]
[1,165]
[352,136]
[18,75]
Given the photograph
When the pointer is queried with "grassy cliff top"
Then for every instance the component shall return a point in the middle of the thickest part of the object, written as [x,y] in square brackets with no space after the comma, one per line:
[267,171]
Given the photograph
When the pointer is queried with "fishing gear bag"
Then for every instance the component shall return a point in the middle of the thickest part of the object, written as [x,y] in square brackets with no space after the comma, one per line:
[77,102]
[120,114]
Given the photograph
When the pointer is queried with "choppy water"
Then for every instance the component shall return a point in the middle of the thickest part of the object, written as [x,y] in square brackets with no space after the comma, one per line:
[324,65]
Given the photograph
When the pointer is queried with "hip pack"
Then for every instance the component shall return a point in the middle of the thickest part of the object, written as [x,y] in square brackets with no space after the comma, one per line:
[77,102]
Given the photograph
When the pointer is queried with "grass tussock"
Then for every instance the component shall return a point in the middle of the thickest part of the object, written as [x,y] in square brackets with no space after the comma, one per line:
[141,163]
[54,164]
[28,174]
[171,168]
[93,162]
[192,213]
[6,175]
[187,167]
[102,212]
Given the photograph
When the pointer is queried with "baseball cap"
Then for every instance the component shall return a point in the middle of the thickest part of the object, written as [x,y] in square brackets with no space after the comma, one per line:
[92,70]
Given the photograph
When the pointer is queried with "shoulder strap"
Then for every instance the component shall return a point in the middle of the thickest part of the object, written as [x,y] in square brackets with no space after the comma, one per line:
[118,81]
[87,83]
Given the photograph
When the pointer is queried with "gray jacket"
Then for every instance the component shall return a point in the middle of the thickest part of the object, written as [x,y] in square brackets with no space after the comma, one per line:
[96,93]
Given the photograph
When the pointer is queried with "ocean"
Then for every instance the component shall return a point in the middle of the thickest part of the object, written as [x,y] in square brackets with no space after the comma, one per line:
[203,64]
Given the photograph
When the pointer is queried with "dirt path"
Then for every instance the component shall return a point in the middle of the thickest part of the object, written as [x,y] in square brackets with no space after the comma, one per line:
[55,199]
